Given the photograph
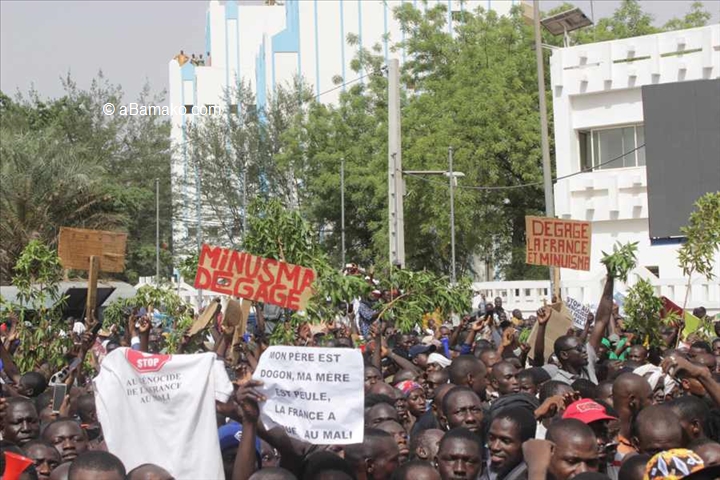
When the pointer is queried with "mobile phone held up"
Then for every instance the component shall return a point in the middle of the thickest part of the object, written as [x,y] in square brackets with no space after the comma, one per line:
[59,392]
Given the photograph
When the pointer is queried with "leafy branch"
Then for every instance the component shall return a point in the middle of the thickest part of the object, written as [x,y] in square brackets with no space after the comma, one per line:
[621,261]
[697,254]
[642,312]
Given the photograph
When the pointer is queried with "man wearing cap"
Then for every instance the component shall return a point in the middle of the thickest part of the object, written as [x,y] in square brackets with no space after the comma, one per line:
[419,355]
[596,417]
[230,435]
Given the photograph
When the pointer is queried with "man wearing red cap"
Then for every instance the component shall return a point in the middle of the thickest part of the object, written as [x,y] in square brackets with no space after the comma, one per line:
[596,417]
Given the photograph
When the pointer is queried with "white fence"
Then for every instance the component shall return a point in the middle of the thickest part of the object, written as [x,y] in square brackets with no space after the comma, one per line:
[528,295]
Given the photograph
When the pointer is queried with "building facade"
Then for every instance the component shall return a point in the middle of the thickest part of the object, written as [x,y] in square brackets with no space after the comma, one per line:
[266,43]
[598,115]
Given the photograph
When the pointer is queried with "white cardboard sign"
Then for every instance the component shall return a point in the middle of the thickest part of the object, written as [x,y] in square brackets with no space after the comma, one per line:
[315,394]
[579,312]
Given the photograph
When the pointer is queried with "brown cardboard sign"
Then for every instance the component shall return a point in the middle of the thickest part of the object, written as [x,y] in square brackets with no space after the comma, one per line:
[77,245]
[205,317]
[558,243]
[560,322]
[240,274]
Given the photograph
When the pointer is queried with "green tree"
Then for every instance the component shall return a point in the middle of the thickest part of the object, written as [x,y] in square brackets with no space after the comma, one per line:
[38,310]
[696,17]
[697,254]
[68,164]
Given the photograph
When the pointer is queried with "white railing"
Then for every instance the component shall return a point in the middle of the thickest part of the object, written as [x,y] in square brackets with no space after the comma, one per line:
[528,295]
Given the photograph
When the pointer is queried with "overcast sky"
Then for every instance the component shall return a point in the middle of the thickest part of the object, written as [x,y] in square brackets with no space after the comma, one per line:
[132,41]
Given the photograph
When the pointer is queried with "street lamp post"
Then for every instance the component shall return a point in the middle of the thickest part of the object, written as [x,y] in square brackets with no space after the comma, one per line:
[342,209]
[562,23]
[452,175]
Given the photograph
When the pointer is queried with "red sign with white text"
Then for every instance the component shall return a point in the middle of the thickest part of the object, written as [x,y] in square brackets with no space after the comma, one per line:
[146,362]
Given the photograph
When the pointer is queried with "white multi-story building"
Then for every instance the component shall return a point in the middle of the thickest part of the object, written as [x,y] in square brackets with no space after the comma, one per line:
[266,43]
[598,115]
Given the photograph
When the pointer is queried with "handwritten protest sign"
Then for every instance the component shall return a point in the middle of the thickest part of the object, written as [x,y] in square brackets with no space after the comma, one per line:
[579,312]
[241,274]
[558,243]
[315,394]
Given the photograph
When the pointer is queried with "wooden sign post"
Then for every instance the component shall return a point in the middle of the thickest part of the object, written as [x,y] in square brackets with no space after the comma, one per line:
[93,251]
[93,271]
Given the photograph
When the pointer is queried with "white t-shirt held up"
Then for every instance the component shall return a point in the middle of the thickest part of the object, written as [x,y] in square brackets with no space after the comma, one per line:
[161,409]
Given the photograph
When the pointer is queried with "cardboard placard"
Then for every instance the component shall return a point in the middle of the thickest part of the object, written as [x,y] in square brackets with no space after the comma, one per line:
[560,322]
[579,312]
[232,314]
[77,245]
[240,274]
[558,243]
[304,387]
[205,317]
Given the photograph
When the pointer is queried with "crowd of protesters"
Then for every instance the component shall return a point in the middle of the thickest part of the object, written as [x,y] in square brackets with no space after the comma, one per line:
[450,402]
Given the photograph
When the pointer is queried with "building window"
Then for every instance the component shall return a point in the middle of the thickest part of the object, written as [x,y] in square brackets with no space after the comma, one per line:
[233,109]
[188,109]
[654,270]
[604,148]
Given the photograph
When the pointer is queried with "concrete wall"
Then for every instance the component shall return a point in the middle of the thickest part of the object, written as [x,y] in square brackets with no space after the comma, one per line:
[599,85]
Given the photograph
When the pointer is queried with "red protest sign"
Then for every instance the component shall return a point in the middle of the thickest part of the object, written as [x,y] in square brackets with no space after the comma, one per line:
[145,362]
[668,307]
[558,243]
[243,275]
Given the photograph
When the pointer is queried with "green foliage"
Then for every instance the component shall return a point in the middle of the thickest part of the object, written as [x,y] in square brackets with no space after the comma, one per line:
[697,254]
[423,292]
[642,312]
[629,20]
[275,231]
[188,267]
[696,17]
[162,298]
[39,309]
[621,261]
[67,164]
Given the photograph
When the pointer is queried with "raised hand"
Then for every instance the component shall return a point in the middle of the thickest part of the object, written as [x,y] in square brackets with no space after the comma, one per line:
[543,315]
[508,337]
[247,399]
[537,454]
[479,325]
[674,364]
[144,326]
[550,407]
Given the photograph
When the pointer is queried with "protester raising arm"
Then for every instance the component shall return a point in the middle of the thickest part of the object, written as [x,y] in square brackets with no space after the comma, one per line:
[537,455]
[144,334]
[543,315]
[461,328]
[675,366]
[9,365]
[247,400]
[604,314]
[402,362]
[475,328]
[588,323]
